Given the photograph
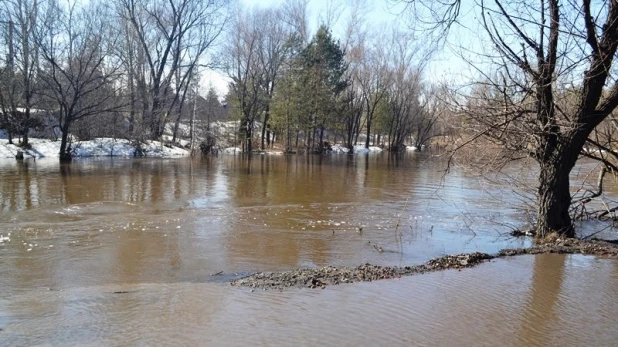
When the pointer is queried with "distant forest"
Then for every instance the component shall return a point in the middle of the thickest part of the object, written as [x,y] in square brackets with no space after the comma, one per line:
[131,69]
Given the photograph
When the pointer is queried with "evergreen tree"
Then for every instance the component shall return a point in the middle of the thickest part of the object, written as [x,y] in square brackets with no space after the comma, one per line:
[322,76]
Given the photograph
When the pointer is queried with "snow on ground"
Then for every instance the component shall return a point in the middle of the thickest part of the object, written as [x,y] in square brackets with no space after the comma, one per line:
[339,149]
[362,149]
[594,151]
[108,147]
[179,141]
[414,148]
[231,150]
[40,148]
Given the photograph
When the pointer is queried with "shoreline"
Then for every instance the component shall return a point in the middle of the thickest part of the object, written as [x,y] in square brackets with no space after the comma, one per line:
[99,147]
[322,277]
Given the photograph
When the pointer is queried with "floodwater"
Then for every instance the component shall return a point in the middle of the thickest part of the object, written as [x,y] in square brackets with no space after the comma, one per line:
[123,252]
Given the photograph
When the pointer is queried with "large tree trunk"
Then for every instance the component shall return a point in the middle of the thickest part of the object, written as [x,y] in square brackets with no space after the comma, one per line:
[321,144]
[368,134]
[249,137]
[132,97]
[265,126]
[553,194]
[26,124]
[155,116]
[64,153]
[554,200]
[24,139]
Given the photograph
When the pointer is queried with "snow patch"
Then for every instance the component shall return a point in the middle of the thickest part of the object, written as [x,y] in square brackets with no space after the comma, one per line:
[415,148]
[362,149]
[339,149]
[101,147]
[232,150]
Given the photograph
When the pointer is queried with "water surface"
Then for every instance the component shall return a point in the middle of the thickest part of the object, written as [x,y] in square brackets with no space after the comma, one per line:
[158,229]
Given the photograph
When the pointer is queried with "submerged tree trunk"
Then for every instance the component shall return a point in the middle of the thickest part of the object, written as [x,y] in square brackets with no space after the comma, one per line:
[368,134]
[26,124]
[553,194]
[321,144]
[65,151]
[553,201]
[249,137]
[265,127]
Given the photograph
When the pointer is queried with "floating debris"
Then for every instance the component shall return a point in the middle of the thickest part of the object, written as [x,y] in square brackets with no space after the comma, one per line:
[321,277]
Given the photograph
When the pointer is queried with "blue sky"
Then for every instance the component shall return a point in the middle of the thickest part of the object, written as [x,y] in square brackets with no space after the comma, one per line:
[446,65]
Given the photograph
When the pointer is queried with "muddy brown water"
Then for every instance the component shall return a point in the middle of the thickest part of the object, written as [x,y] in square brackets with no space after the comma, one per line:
[123,252]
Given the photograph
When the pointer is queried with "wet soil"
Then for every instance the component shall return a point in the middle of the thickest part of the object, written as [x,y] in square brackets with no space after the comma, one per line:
[321,277]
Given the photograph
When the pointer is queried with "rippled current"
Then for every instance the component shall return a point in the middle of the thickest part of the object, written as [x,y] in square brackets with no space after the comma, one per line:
[122,252]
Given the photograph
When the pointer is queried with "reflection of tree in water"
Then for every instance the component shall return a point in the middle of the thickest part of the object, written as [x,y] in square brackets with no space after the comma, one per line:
[152,181]
[278,196]
[79,182]
[266,186]
[539,313]
[17,187]
[24,171]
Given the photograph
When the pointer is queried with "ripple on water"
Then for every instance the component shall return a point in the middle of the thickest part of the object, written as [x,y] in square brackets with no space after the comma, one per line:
[522,301]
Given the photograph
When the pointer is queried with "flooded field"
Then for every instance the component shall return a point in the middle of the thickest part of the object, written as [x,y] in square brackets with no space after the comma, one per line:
[123,252]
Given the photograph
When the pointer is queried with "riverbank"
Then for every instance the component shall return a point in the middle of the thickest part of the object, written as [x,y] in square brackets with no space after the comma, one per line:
[321,277]
[100,147]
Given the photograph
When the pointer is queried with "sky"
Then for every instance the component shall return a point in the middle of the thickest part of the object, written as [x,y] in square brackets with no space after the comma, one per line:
[445,65]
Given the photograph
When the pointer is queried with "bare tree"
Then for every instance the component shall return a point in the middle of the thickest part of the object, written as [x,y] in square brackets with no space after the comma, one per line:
[246,72]
[273,51]
[538,47]
[22,65]
[78,82]
[403,110]
[355,45]
[331,14]
[353,114]
[432,109]
[296,17]
[374,77]
[173,36]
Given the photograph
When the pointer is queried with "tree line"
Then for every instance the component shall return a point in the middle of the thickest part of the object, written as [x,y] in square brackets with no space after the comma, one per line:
[307,91]
[127,67]
[132,69]
[544,87]
[545,90]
